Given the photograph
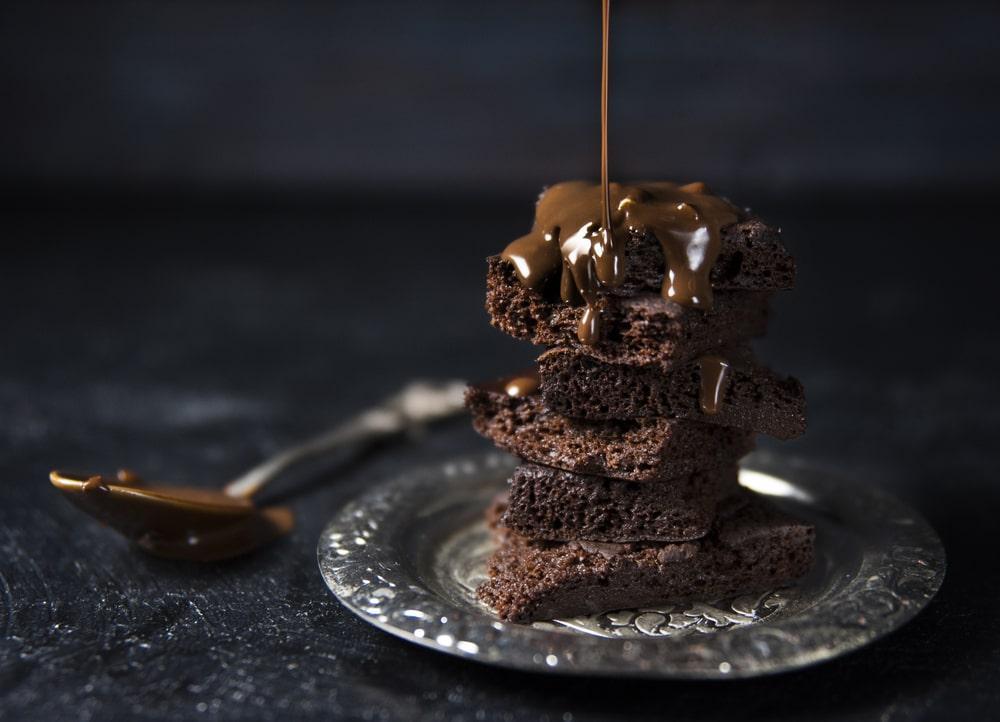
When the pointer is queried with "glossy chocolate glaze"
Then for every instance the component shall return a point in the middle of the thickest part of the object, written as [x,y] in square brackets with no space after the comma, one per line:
[579,226]
[175,522]
[524,384]
[519,385]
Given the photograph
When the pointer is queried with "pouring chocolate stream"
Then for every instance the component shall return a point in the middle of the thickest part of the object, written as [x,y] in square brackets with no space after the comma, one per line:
[580,227]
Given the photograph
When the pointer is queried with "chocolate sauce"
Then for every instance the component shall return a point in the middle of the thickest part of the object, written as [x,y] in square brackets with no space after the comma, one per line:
[714,381]
[579,230]
[175,522]
[517,386]
[617,270]
[523,385]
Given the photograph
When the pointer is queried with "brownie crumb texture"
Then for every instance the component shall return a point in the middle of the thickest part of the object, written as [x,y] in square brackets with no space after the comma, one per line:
[551,504]
[755,398]
[627,494]
[753,548]
[652,449]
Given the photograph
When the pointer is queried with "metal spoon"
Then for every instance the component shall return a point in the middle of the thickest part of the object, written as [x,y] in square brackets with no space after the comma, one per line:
[208,525]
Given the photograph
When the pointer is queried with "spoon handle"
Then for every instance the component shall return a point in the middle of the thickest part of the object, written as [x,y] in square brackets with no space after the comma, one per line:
[417,403]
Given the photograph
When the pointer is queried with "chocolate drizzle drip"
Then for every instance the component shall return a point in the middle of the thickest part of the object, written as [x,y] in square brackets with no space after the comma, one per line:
[522,385]
[567,236]
[519,385]
[714,381]
[576,225]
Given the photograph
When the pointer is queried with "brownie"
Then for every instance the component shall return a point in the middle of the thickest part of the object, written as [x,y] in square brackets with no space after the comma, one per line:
[751,547]
[547,503]
[751,258]
[755,398]
[637,329]
[649,449]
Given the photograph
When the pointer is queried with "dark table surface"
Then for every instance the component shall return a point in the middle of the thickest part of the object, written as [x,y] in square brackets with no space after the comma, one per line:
[188,340]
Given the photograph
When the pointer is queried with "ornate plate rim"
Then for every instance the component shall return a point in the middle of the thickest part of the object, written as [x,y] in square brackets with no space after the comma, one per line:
[893,583]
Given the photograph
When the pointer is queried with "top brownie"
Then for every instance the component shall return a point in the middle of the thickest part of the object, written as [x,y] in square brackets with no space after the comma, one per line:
[642,327]
[751,258]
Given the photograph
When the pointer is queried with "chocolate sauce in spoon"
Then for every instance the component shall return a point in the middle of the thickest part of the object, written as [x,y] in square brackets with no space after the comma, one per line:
[180,522]
[175,522]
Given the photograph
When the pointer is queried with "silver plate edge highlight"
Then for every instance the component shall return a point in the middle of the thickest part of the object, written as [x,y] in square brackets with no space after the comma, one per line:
[377,556]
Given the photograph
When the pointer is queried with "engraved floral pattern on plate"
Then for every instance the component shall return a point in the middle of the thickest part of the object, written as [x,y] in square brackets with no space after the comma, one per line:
[408,555]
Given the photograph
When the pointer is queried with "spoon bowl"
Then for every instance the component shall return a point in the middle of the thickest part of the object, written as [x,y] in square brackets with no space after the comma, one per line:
[175,522]
[180,522]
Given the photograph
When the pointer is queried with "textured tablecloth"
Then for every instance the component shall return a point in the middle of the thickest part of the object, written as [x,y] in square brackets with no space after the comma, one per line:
[189,341]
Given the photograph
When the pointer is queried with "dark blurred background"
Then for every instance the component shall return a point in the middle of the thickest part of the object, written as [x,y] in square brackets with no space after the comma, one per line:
[227,225]
[354,162]
[776,97]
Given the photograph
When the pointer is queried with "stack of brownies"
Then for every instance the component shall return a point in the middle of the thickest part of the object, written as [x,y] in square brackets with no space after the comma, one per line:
[628,493]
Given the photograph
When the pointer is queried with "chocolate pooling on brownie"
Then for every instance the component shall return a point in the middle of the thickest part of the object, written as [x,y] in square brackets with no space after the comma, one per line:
[516,386]
[523,384]
[576,224]
[568,237]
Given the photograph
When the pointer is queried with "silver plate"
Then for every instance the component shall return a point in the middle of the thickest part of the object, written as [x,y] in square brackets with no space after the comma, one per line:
[408,555]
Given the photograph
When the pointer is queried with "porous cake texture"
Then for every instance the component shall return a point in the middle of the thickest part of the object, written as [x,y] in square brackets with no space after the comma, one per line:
[755,398]
[638,329]
[751,547]
[653,449]
[547,503]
